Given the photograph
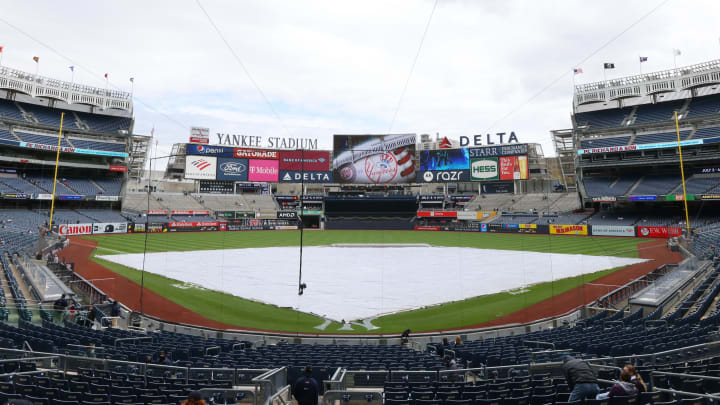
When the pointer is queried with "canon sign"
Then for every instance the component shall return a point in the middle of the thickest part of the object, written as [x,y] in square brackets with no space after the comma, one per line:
[75,229]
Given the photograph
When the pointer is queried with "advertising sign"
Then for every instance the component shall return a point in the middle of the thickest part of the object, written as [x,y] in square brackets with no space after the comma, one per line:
[484,169]
[157,212]
[114,227]
[305,160]
[437,214]
[118,168]
[569,229]
[658,231]
[287,215]
[193,226]
[70,197]
[156,228]
[642,198]
[497,187]
[374,159]
[107,198]
[67,149]
[612,230]
[200,135]
[263,170]
[232,169]
[75,229]
[43,196]
[292,176]
[605,199]
[444,159]
[513,167]
[190,212]
[136,228]
[200,167]
[500,150]
[195,149]
[256,153]
[443,176]
[710,196]
[467,215]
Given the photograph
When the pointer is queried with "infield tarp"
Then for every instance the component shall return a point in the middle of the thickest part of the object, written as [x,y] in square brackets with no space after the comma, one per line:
[358,282]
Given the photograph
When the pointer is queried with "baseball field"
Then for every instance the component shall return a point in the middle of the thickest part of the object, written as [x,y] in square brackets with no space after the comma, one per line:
[182,301]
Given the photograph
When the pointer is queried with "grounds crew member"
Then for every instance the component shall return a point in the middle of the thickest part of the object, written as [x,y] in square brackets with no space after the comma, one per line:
[306,389]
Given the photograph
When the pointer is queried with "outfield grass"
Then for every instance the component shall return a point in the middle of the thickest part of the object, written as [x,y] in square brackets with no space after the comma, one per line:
[233,310]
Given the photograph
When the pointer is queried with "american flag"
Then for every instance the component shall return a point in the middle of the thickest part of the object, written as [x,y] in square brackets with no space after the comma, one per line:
[577,71]
[643,59]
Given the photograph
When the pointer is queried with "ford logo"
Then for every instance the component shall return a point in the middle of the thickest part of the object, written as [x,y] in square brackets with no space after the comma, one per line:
[233,168]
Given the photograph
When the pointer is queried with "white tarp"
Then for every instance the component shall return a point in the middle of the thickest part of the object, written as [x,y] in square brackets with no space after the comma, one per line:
[354,283]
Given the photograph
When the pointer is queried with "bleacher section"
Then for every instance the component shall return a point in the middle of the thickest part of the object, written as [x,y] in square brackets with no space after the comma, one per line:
[657,185]
[43,139]
[703,106]
[711,132]
[602,119]
[46,184]
[660,137]
[605,142]
[104,123]
[96,145]
[651,113]
[9,110]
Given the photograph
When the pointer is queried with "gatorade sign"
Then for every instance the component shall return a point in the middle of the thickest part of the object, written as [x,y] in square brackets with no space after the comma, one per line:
[484,169]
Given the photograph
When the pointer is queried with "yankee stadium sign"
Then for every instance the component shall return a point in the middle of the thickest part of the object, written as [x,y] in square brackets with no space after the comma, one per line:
[276,142]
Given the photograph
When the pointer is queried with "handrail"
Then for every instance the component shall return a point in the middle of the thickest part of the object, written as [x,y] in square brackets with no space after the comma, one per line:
[538,342]
[371,397]
[225,392]
[30,359]
[133,338]
[279,395]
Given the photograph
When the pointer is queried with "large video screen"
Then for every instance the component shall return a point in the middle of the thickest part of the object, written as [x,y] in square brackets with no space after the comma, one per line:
[444,166]
[377,159]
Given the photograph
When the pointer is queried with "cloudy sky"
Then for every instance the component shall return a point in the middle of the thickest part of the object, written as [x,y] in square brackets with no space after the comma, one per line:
[340,67]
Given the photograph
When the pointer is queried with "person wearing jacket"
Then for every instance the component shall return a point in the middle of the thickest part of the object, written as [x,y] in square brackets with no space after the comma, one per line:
[623,388]
[581,379]
[306,389]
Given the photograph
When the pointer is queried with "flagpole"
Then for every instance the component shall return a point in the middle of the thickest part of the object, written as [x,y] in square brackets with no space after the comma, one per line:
[675,58]
[640,62]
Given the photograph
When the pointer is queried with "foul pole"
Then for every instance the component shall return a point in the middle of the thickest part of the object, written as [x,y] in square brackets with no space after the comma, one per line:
[682,174]
[57,162]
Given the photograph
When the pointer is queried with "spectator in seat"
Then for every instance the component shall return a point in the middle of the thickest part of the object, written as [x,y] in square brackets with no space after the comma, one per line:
[306,388]
[163,359]
[635,378]
[59,307]
[458,341]
[194,398]
[581,379]
[623,388]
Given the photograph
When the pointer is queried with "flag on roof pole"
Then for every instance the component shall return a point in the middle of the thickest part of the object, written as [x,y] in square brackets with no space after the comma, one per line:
[0,49]
[677,52]
[609,65]
[106,75]
[577,71]
[72,68]
[132,80]
[643,59]
[1,55]
[36,59]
